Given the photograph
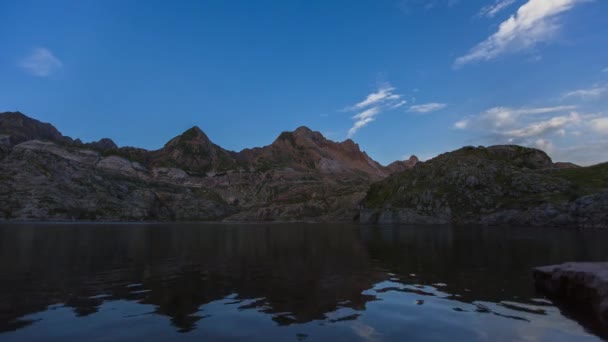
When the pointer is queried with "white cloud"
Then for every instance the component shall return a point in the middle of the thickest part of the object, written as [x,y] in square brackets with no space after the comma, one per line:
[462,124]
[398,104]
[556,130]
[363,119]
[383,94]
[375,103]
[542,128]
[41,62]
[600,125]
[427,107]
[544,144]
[589,152]
[490,11]
[588,94]
[535,22]
[502,117]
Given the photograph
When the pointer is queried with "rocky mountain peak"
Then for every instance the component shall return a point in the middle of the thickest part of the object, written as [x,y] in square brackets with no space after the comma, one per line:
[22,128]
[193,139]
[301,137]
[402,165]
[195,152]
[103,144]
[194,133]
[303,130]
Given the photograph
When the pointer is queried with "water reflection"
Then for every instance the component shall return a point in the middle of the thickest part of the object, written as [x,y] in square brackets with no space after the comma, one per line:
[315,281]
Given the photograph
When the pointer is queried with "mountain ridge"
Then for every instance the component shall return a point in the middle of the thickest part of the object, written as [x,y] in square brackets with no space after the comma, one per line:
[300,176]
[191,149]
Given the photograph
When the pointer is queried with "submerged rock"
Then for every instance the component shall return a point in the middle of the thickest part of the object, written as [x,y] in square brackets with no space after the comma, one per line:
[579,287]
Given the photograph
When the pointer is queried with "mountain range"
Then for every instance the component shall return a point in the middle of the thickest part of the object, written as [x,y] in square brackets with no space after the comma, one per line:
[301,176]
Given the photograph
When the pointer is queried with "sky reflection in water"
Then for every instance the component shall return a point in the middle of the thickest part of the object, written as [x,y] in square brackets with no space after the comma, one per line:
[285,282]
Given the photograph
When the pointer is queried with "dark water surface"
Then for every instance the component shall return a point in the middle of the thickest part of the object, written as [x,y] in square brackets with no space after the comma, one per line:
[296,282]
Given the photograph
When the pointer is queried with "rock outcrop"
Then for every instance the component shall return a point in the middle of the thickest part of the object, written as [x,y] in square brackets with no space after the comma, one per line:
[402,165]
[581,288]
[496,185]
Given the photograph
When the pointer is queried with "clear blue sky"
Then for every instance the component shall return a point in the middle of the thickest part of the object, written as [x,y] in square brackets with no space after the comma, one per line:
[400,77]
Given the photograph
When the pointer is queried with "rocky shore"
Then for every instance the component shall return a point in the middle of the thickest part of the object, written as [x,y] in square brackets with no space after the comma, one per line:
[581,288]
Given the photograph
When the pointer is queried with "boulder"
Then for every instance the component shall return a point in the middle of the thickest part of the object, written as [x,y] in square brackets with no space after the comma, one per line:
[581,288]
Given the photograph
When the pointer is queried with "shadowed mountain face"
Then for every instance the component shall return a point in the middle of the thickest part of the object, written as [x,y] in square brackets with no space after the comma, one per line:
[300,176]
[299,278]
[193,151]
[22,128]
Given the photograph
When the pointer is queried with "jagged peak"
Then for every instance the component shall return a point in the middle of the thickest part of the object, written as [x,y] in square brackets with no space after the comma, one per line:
[350,142]
[301,133]
[104,144]
[304,131]
[194,133]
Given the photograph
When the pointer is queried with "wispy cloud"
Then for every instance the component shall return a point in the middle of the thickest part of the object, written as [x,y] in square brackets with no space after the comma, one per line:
[375,103]
[552,129]
[398,104]
[382,95]
[498,118]
[409,6]
[427,107]
[41,62]
[605,69]
[592,93]
[489,11]
[535,22]
[556,124]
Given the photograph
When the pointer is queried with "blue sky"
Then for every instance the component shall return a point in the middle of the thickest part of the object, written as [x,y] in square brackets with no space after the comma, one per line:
[399,77]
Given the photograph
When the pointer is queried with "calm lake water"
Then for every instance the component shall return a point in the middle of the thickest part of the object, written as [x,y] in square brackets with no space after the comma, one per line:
[296,282]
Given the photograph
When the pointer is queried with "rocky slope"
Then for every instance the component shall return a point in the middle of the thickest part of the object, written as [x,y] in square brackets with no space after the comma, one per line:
[493,186]
[300,176]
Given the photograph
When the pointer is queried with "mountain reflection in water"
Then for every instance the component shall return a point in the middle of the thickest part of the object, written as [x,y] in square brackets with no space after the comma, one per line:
[282,281]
